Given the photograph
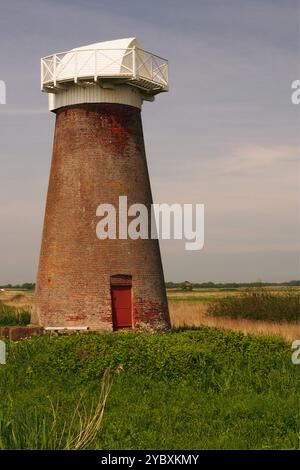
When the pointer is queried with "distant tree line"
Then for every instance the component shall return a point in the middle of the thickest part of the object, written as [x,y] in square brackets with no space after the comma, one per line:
[25,286]
[186,285]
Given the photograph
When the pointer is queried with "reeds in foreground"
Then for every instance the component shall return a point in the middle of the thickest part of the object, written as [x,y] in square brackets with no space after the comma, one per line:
[57,429]
[89,423]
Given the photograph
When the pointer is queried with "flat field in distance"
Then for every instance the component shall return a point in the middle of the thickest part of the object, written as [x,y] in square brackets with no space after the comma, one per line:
[191,309]
[251,311]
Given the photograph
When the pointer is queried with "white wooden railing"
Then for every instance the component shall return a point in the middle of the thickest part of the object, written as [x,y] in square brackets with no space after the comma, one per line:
[143,69]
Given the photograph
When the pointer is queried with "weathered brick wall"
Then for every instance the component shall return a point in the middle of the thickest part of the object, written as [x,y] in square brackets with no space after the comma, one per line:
[98,155]
[15,333]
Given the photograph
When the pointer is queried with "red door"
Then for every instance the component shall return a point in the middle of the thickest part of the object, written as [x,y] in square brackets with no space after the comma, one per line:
[121,305]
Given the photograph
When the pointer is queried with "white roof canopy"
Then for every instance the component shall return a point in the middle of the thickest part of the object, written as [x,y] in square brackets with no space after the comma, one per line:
[117,61]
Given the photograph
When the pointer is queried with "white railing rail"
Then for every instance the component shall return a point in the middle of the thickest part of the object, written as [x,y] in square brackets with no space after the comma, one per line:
[132,63]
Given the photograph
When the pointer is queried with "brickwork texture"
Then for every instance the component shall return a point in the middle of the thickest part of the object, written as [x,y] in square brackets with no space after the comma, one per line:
[98,155]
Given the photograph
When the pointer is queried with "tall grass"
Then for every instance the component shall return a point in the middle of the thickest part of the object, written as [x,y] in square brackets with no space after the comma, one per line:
[259,304]
[12,316]
[194,315]
[32,429]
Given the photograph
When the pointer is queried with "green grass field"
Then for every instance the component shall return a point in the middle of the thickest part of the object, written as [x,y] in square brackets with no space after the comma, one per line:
[220,294]
[193,389]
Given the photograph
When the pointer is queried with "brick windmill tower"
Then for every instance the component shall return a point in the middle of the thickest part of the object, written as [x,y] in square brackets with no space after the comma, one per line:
[83,282]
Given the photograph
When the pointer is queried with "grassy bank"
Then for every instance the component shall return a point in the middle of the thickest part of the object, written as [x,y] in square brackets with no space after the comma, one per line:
[205,389]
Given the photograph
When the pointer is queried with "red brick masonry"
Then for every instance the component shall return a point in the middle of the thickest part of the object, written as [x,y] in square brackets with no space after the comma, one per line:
[15,333]
[98,155]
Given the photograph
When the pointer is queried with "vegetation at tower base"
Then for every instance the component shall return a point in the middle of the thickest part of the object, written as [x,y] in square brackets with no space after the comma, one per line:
[191,389]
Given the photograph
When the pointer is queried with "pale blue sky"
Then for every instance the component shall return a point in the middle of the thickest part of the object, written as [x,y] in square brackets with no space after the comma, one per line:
[226,134]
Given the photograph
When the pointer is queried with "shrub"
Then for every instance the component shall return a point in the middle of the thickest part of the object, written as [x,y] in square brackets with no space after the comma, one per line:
[18,298]
[259,304]
[12,316]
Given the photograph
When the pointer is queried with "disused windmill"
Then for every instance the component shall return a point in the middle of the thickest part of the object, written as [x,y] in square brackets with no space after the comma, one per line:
[97,92]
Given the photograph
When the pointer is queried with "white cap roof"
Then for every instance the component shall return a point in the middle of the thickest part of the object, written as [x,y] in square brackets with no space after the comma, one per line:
[124,43]
[113,59]
[116,63]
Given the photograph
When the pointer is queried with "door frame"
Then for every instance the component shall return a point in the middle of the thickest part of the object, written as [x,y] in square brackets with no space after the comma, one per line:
[120,280]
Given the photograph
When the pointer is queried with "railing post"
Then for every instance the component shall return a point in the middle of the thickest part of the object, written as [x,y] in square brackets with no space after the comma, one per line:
[42,75]
[152,78]
[134,61]
[95,65]
[54,69]
[75,67]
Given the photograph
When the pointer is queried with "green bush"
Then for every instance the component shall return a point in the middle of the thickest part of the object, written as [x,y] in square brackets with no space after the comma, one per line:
[259,304]
[12,316]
